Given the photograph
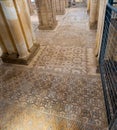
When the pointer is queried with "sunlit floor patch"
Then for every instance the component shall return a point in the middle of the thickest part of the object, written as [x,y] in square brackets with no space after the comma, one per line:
[30,118]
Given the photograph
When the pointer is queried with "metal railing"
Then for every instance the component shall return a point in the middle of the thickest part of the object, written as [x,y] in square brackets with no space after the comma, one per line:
[108,63]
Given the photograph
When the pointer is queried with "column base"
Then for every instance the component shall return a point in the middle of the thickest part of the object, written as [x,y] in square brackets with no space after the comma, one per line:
[25,61]
[52,27]
[93,26]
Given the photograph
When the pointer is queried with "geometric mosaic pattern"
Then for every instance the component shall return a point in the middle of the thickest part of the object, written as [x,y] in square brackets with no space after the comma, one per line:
[71,97]
[60,89]
[66,59]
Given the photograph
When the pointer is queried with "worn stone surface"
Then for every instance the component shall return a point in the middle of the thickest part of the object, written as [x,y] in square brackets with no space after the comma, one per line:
[60,88]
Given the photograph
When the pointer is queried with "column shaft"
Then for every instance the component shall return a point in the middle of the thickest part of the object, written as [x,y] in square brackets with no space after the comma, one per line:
[66,3]
[8,7]
[16,31]
[25,22]
[60,7]
[5,34]
[88,6]
[46,14]
[30,6]
[93,14]
[29,21]
[101,17]
[2,46]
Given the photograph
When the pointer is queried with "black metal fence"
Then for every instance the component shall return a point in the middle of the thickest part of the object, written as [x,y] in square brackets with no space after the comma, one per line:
[108,63]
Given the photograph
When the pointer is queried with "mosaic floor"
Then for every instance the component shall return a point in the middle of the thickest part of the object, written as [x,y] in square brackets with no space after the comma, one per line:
[60,89]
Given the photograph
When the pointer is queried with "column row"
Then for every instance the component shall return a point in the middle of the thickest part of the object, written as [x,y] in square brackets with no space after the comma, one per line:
[16,36]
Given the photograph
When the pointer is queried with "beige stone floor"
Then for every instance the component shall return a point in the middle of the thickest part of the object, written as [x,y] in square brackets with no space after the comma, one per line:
[60,89]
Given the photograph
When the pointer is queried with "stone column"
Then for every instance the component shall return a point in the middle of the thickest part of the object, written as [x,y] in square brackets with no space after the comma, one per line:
[60,7]
[88,6]
[5,35]
[29,21]
[102,9]
[46,14]
[30,6]
[15,31]
[2,46]
[93,14]
[66,3]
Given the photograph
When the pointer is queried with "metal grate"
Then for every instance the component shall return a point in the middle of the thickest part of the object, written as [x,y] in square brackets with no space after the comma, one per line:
[108,63]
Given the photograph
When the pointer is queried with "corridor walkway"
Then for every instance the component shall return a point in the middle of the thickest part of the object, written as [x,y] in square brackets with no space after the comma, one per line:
[60,89]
